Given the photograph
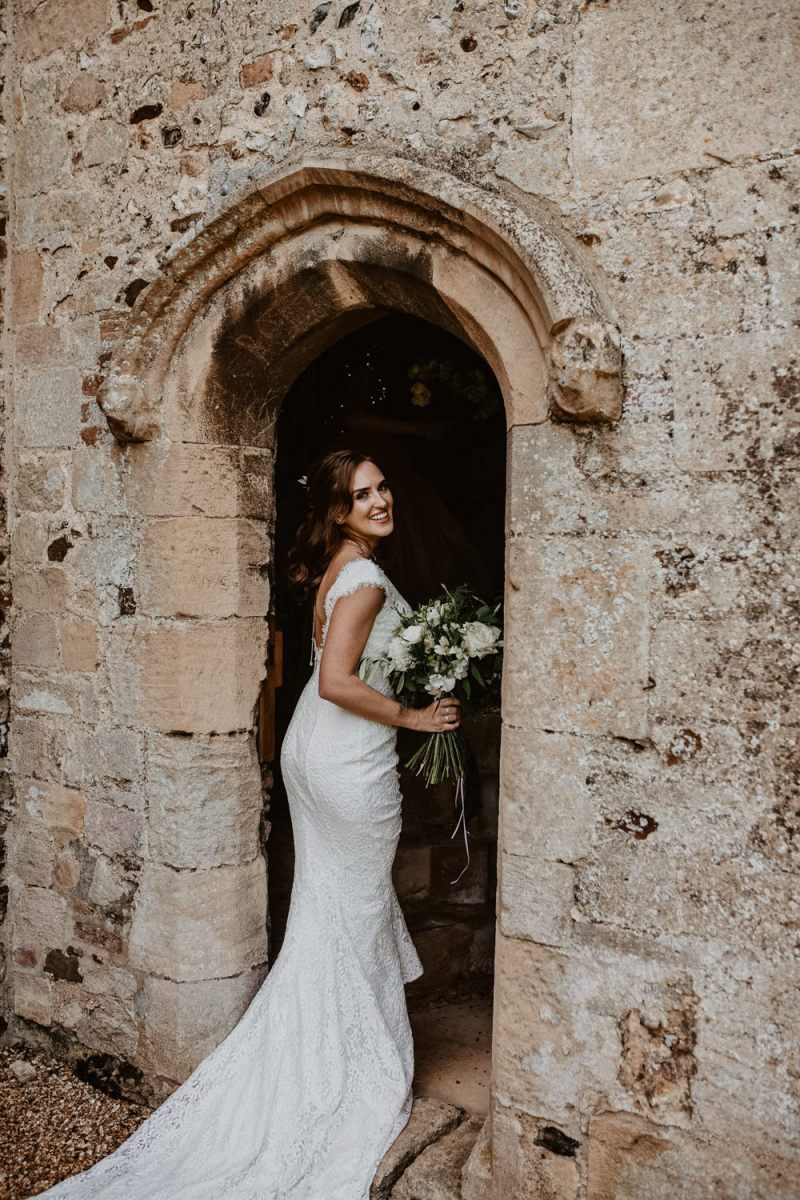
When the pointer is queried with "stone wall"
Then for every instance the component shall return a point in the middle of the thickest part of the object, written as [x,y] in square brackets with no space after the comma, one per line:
[648,836]
[6,793]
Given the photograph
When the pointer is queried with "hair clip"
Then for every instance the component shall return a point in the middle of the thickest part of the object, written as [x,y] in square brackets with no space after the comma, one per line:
[303,481]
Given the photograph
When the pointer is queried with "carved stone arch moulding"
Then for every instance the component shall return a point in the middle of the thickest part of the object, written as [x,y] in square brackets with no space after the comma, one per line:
[322,246]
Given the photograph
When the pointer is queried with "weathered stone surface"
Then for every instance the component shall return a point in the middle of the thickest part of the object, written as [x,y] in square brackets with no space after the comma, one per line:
[533,1158]
[204,678]
[48,407]
[103,755]
[190,566]
[512,173]
[41,484]
[51,27]
[35,641]
[429,1121]
[33,997]
[161,479]
[626,132]
[200,924]
[184,1022]
[592,594]
[80,650]
[55,808]
[436,1173]
[535,899]
[204,800]
[114,830]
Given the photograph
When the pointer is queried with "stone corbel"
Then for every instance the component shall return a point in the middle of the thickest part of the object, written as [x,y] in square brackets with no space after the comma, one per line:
[585,371]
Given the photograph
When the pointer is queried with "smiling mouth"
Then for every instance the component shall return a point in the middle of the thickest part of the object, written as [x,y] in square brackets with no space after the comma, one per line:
[380,517]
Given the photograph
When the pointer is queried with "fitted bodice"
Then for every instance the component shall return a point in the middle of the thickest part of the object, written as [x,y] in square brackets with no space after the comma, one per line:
[364,572]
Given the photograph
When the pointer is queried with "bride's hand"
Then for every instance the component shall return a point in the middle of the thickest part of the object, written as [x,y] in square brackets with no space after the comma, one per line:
[439,717]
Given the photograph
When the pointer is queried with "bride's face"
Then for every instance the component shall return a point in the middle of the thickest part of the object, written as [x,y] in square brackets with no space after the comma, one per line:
[370,517]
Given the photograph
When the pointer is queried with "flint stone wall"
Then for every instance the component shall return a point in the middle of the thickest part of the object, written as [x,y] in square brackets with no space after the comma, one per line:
[648,843]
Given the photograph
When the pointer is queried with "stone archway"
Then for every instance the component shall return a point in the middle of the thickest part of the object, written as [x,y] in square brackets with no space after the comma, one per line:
[193,391]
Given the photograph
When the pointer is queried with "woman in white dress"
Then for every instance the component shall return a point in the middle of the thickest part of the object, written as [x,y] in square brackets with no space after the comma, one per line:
[307,1092]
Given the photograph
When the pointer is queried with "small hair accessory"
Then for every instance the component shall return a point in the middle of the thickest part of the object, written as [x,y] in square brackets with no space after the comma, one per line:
[303,481]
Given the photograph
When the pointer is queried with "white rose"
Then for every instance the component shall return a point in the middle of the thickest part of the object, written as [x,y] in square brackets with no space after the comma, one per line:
[412,634]
[400,654]
[479,639]
[437,684]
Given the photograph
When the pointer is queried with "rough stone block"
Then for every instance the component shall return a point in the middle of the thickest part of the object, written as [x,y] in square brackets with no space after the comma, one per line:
[625,128]
[193,925]
[533,1158]
[436,1173]
[42,591]
[703,670]
[56,808]
[36,747]
[80,650]
[162,479]
[40,483]
[204,801]
[40,918]
[204,678]
[184,1022]
[191,566]
[114,830]
[27,277]
[48,404]
[31,855]
[95,481]
[733,402]
[55,26]
[102,756]
[535,899]
[110,883]
[556,1042]
[33,997]
[430,1120]
[542,774]
[35,641]
[579,661]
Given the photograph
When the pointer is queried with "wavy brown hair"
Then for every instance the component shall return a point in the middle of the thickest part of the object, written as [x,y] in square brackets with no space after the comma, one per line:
[329,500]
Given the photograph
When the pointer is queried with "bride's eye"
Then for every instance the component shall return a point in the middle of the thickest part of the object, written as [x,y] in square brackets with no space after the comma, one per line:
[383,486]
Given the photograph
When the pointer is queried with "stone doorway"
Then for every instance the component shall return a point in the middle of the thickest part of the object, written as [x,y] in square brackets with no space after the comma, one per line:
[195,385]
[429,409]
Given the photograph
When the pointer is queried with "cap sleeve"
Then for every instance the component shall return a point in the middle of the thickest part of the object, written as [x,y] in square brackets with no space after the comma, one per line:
[359,573]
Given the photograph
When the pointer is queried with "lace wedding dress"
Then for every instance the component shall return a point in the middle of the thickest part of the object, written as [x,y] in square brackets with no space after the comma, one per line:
[307,1092]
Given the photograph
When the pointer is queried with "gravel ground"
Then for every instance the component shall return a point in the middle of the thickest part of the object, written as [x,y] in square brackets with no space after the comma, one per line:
[52,1124]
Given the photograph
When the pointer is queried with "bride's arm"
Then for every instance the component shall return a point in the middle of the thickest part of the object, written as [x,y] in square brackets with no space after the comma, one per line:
[350,625]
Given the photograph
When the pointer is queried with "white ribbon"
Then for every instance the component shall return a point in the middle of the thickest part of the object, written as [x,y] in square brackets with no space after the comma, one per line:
[462,820]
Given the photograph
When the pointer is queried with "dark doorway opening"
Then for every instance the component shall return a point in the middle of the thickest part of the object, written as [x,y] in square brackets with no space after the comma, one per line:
[429,410]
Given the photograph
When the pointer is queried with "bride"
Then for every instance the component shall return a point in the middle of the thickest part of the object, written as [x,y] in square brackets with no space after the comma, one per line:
[307,1092]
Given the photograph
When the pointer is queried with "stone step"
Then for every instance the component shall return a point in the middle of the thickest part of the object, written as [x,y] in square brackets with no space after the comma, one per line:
[435,1174]
[429,1121]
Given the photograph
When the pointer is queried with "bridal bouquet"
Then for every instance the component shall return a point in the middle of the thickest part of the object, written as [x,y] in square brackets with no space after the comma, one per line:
[447,647]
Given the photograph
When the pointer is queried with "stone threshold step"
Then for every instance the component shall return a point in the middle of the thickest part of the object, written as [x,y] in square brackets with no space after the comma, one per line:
[426,1160]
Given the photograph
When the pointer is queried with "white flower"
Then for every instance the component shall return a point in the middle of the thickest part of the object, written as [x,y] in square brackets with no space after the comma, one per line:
[399,654]
[412,634]
[433,616]
[460,667]
[441,648]
[479,639]
[438,684]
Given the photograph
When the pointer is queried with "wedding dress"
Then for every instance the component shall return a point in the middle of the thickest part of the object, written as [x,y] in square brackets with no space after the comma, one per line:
[307,1092]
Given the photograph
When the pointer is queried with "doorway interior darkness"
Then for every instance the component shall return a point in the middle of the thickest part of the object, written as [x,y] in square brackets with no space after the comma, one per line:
[428,409]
